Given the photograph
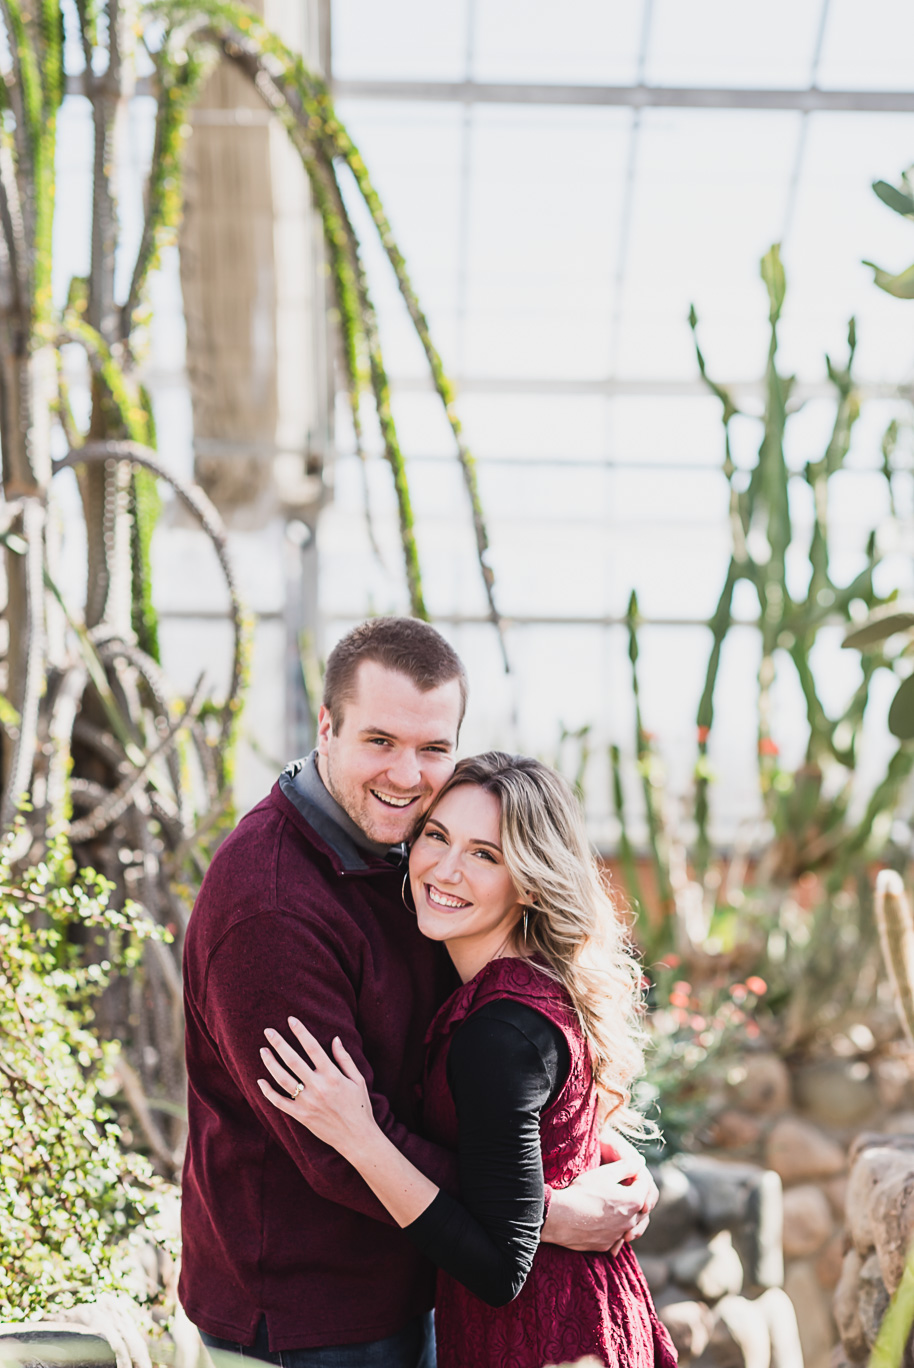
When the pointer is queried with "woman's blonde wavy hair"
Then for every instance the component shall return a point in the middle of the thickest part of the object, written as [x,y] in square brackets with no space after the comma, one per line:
[573,932]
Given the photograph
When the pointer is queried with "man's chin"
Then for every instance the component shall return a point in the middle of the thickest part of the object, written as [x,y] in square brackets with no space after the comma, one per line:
[393,829]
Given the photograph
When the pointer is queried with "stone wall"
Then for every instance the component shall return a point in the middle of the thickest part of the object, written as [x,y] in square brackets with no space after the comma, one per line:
[879,1213]
[712,1256]
[802,1124]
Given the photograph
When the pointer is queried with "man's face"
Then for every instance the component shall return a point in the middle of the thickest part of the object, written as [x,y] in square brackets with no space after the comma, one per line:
[392,753]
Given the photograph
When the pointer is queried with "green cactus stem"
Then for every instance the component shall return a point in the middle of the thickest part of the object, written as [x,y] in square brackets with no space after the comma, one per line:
[896,935]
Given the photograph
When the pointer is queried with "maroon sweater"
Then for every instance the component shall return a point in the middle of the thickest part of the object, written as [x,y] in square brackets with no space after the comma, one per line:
[275,1223]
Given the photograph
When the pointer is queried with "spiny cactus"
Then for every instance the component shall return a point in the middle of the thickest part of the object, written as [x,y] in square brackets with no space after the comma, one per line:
[896,935]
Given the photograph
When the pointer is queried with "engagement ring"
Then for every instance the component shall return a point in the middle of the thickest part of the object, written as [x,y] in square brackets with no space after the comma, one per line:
[299,1088]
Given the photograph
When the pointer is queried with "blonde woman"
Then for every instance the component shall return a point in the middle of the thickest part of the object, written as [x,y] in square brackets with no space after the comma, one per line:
[525,1062]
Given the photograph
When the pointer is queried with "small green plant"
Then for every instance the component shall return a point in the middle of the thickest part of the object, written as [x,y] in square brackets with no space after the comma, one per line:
[70,1195]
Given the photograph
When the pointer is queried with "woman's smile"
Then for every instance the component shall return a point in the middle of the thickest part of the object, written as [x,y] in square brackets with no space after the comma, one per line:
[440,899]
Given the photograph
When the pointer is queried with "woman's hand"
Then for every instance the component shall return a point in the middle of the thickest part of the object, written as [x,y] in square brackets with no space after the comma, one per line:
[331,1101]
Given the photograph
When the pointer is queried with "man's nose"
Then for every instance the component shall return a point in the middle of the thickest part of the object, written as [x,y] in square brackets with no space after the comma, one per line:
[404,770]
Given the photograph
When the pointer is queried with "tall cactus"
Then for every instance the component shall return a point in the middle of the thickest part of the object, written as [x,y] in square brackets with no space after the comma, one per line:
[896,936]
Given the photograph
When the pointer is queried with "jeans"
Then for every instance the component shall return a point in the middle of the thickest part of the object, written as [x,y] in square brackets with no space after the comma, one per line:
[411,1347]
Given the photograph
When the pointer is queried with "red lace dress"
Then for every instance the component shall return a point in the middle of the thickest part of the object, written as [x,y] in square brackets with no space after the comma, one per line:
[572,1303]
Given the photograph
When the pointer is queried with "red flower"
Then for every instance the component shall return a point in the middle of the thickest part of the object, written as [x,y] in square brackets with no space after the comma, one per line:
[767,746]
[756,985]
[703,733]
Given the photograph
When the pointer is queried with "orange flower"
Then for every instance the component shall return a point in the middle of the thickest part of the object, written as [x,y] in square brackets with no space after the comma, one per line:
[703,733]
[767,746]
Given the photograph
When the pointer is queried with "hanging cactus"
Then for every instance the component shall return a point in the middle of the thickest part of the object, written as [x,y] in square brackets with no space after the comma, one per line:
[896,935]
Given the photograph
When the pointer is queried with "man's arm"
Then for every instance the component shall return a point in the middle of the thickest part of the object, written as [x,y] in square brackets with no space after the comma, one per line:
[605,1206]
[270,967]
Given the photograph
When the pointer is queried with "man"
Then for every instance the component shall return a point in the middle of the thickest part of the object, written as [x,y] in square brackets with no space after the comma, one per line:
[286,1250]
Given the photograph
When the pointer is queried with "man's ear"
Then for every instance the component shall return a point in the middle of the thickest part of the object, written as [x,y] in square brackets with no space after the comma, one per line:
[324,730]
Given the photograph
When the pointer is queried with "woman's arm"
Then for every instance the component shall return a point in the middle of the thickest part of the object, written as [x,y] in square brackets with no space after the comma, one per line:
[501,1080]
[334,1104]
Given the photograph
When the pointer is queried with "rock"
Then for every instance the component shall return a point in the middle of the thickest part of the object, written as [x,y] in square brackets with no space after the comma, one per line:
[783,1331]
[38,1344]
[740,1336]
[747,1200]
[836,1092]
[873,1298]
[830,1262]
[761,1239]
[894,1083]
[675,1216]
[690,1324]
[846,1307]
[814,1319]
[735,1130]
[712,1267]
[799,1151]
[760,1084]
[656,1271]
[868,1140]
[872,1168]
[836,1192]
[807,1221]
[893,1222]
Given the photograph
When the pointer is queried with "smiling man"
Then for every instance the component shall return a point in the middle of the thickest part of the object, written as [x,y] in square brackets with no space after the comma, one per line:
[287,1253]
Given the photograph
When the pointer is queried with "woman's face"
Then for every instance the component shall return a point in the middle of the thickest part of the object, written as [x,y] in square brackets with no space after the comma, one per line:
[462,891]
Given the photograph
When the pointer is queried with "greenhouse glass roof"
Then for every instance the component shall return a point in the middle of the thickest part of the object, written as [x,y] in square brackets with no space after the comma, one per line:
[563,192]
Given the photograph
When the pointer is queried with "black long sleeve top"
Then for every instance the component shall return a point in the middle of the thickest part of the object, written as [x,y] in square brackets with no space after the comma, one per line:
[506,1063]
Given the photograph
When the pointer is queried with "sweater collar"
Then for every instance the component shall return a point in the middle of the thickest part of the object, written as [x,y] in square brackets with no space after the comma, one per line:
[302,785]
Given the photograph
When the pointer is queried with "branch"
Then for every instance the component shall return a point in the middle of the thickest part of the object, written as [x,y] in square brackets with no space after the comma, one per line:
[20,770]
[118,801]
[199,505]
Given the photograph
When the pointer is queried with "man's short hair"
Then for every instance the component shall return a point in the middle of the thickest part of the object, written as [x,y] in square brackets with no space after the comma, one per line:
[407,645]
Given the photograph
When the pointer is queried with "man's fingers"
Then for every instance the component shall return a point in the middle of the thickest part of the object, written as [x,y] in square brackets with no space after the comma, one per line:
[282,1076]
[313,1048]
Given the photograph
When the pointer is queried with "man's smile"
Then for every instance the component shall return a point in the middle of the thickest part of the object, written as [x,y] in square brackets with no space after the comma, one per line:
[391,799]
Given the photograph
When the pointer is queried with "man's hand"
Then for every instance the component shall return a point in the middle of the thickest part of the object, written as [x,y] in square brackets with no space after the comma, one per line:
[603,1207]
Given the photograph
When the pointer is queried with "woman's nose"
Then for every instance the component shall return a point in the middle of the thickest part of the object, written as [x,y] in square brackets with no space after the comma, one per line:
[448,867]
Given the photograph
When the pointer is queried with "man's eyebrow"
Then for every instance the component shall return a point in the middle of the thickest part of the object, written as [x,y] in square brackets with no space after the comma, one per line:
[474,840]
[381,731]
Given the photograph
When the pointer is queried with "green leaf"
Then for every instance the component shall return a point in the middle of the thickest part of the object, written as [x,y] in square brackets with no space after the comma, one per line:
[901,286]
[901,713]
[8,714]
[772,271]
[902,201]
[880,625]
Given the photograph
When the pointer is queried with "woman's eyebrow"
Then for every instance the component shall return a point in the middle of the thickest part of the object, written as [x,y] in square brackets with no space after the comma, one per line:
[474,840]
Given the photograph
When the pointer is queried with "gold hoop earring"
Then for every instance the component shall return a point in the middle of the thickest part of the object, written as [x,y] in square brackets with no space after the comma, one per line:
[410,906]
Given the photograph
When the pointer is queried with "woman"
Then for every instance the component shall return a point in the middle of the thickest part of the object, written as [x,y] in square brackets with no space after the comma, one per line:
[525,1061]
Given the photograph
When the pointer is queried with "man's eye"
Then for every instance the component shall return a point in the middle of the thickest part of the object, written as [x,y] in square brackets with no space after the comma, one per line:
[379,741]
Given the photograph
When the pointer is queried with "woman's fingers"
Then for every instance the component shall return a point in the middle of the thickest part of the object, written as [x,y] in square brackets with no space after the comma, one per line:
[345,1061]
[279,1100]
[291,1058]
[315,1051]
[282,1076]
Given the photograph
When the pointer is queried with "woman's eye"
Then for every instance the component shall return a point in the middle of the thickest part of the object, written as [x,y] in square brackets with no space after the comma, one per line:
[434,835]
[484,855]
